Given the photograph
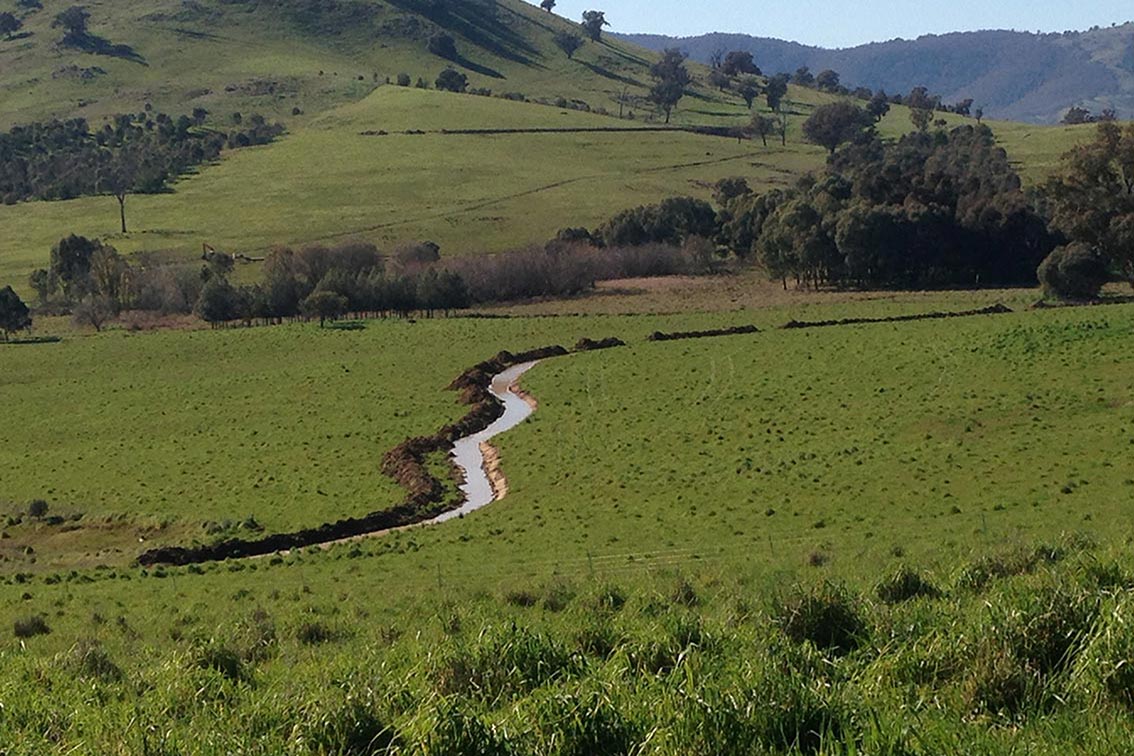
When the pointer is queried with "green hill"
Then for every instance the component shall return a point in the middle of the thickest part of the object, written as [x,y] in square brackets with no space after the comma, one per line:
[322,69]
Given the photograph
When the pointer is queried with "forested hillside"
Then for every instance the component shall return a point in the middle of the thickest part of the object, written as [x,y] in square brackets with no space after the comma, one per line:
[1013,75]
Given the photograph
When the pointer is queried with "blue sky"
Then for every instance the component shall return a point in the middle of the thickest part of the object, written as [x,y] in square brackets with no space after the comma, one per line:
[842,23]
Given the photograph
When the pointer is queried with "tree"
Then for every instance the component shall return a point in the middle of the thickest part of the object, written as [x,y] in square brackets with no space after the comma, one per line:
[44,284]
[978,114]
[921,118]
[29,5]
[14,314]
[739,62]
[218,302]
[119,178]
[452,81]
[593,21]
[548,5]
[94,311]
[1092,199]
[762,126]
[1075,272]
[1076,116]
[803,77]
[73,22]
[781,122]
[9,24]
[749,90]
[71,263]
[568,42]
[878,106]
[325,305]
[719,79]
[728,189]
[775,92]
[836,123]
[404,80]
[964,107]
[828,81]
[671,77]
[443,46]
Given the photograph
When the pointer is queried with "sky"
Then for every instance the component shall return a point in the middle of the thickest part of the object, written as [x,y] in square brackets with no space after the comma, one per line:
[843,23]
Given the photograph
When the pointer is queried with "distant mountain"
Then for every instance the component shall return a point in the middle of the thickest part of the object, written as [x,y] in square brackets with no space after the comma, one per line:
[1013,75]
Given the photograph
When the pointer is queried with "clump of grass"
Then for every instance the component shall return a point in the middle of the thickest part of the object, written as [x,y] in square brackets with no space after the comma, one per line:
[905,584]
[587,725]
[504,664]
[557,596]
[610,598]
[827,616]
[222,659]
[1105,669]
[315,633]
[598,639]
[998,683]
[90,660]
[258,639]
[29,627]
[521,598]
[457,732]
[352,727]
[684,594]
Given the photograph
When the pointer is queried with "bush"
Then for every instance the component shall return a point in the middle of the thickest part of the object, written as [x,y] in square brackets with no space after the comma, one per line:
[404,80]
[827,617]
[37,508]
[1074,272]
[29,627]
[451,80]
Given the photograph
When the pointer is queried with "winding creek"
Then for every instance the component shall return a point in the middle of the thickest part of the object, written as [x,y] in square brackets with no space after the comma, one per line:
[468,453]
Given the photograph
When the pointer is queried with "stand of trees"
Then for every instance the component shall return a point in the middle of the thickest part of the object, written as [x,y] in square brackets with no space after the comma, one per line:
[931,210]
[132,153]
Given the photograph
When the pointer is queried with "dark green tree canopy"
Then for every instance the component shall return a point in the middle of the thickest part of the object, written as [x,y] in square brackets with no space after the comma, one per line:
[593,21]
[738,62]
[775,91]
[1074,272]
[568,42]
[838,123]
[671,77]
[14,314]
[451,80]
[9,24]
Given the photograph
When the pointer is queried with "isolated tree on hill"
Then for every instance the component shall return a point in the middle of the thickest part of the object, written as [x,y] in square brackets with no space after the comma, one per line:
[803,77]
[878,106]
[569,43]
[828,81]
[775,92]
[1076,116]
[450,80]
[719,79]
[964,107]
[593,21]
[921,106]
[781,122]
[9,24]
[837,123]
[978,114]
[14,314]
[739,62]
[671,77]
[73,22]
[548,5]
[762,126]
[749,90]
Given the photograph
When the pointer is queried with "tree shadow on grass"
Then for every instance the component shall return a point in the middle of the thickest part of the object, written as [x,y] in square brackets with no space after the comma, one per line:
[606,73]
[96,45]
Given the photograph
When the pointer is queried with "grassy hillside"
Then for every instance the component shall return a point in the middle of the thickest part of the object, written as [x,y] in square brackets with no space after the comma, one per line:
[666,500]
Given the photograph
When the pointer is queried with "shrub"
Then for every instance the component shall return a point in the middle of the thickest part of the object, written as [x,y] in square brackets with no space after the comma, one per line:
[827,617]
[904,585]
[451,80]
[404,80]
[29,627]
[314,633]
[37,508]
[1075,272]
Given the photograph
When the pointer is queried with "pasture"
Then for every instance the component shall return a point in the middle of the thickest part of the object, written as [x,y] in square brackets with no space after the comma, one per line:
[664,500]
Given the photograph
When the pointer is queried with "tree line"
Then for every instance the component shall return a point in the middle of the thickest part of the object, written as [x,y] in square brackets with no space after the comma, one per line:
[130,154]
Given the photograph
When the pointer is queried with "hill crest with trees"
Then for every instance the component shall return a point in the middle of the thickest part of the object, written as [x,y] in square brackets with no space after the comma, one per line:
[1014,75]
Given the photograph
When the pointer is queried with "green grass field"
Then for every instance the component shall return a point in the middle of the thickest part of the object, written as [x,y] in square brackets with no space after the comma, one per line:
[695,481]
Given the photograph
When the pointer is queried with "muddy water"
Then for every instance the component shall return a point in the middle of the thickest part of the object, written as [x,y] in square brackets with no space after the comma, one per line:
[467,454]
